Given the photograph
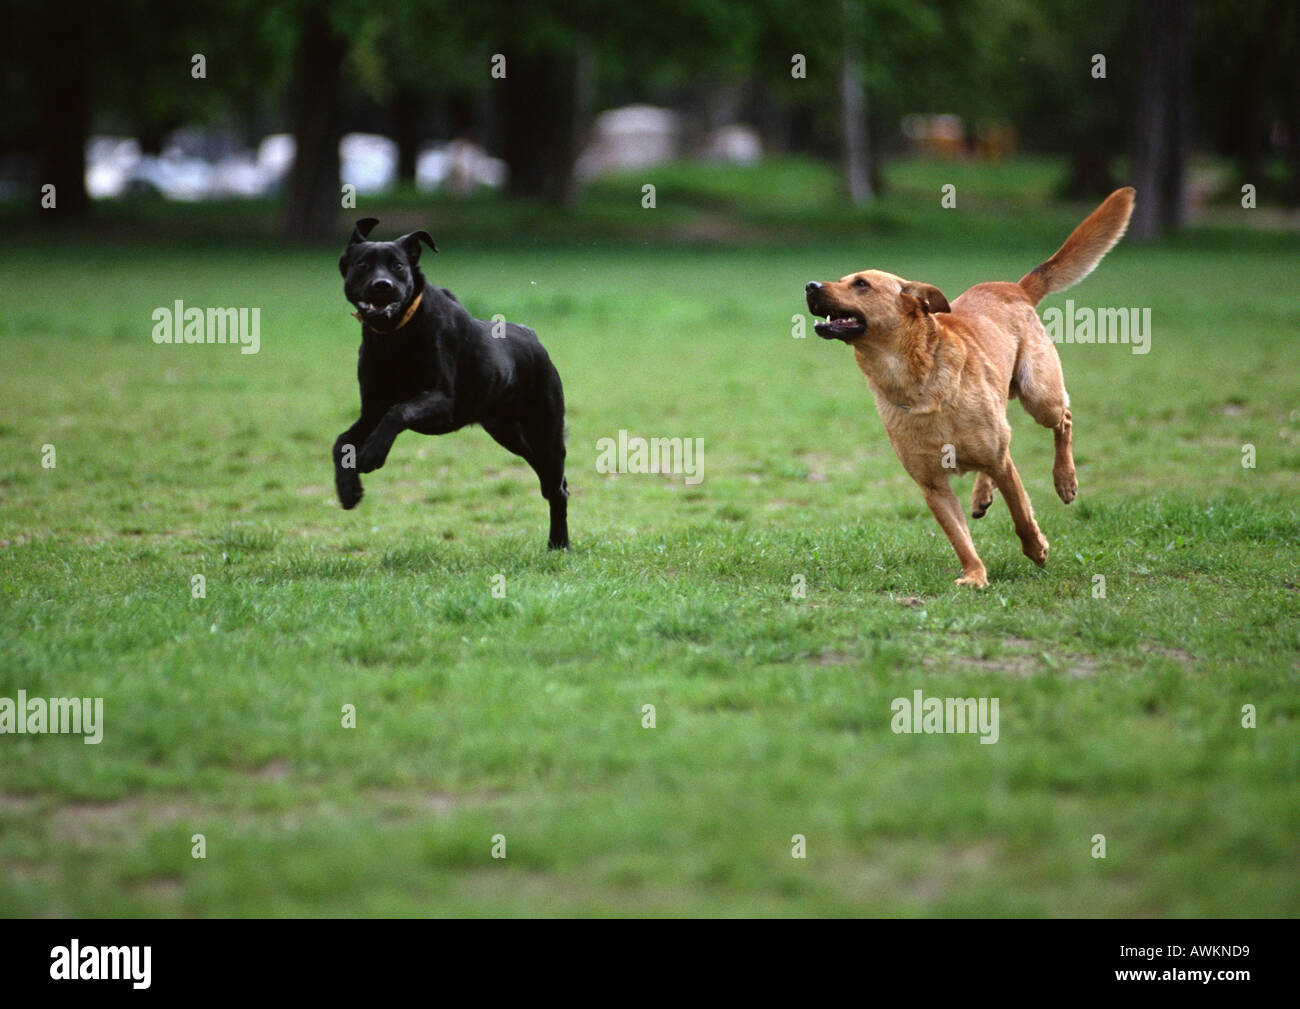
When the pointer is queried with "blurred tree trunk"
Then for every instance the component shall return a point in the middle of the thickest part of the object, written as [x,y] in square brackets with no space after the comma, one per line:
[853,114]
[541,118]
[1249,114]
[1293,140]
[1089,174]
[875,133]
[314,193]
[1162,118]
[63,123]
[405,111]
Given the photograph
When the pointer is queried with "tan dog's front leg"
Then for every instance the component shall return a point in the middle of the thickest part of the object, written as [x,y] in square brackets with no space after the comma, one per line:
[947,509]
[1032,541]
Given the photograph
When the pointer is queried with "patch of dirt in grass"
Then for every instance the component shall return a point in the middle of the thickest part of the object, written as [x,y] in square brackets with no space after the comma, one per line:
[1015,665]
[548,894]
[399,805]
[15,803]
[1080,665]
[125,821]
[950,868]
[26,871]
[163,535]
[163,889]
[1179,655]
[1023,657]
[276,770]
[946,868]
[120,820]
[711,226]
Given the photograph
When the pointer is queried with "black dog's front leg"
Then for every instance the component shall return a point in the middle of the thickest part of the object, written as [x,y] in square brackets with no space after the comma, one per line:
[430,411]
[346,448]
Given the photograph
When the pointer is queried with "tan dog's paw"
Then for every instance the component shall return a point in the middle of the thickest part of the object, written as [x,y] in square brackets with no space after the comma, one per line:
[1067,485]
[974,580]
[1036,550]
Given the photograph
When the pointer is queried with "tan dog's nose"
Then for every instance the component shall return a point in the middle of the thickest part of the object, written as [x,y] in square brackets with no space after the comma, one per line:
[813,285]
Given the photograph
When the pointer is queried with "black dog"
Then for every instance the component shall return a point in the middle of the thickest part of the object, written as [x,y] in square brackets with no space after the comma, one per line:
[428,365]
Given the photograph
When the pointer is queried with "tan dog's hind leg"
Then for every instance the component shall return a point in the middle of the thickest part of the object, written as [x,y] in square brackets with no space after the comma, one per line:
[1042,393]
[981,498]
[1032,541]
[1063,475]
[947,509]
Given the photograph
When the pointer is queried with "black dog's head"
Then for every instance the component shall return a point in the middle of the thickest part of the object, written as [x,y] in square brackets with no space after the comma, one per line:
[381,278]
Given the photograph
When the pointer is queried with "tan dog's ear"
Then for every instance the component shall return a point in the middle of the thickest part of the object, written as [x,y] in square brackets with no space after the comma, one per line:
[927,296]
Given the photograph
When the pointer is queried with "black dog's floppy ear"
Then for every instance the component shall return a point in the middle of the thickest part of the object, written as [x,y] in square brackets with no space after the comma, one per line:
[411,244]
[359,234]
[929,297]
[362,231]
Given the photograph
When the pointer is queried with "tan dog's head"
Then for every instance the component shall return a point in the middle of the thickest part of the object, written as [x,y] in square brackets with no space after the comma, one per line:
[869,303]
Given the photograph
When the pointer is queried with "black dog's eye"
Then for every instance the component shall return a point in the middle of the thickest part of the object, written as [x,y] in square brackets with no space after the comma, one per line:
[859,282]
[398,267]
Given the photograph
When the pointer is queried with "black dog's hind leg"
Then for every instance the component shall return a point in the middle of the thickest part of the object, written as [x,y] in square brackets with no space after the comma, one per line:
[555,488]
[548,463]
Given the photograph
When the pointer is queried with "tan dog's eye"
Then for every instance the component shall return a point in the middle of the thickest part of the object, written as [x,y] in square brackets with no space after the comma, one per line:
[859,282]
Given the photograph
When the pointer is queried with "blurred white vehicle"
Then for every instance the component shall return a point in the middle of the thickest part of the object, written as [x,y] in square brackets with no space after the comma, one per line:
[635,136]
[109,161]
[368,161]
[735,144]
[115,166]
[460,167]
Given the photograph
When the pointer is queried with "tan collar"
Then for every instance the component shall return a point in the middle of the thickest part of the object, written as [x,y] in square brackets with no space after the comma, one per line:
[405,318]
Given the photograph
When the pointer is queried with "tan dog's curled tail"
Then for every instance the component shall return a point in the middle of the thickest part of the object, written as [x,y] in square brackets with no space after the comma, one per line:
[1083,250]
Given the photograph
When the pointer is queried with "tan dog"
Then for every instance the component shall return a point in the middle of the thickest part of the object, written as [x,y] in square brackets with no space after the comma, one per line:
[942,375]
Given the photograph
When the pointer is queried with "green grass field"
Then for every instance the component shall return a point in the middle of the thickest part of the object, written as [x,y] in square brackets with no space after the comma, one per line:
[478,715]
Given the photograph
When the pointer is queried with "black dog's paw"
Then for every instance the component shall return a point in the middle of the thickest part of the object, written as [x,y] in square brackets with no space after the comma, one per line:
[350,493]
[373,454]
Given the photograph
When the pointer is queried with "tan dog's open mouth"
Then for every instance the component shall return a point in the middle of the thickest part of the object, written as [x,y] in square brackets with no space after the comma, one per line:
[840,327]
[836,324]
